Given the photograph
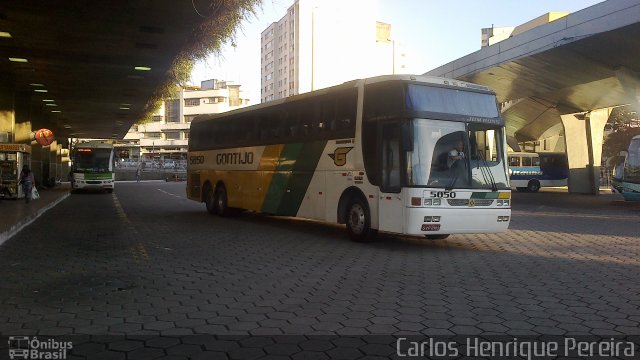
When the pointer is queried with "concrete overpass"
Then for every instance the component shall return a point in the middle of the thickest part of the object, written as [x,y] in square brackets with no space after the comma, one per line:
[91,69]
[564,75]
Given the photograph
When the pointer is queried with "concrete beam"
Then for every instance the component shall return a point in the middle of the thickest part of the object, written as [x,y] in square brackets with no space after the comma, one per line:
[583,141]
[631,84]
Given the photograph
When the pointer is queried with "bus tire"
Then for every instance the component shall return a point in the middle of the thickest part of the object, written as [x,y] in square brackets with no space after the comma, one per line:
[221,207]
[358,220]
[533,186]
[437,236]
[209,199]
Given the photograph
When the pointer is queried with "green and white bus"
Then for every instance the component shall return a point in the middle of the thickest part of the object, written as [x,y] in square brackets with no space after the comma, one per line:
[402,154]
[92,166]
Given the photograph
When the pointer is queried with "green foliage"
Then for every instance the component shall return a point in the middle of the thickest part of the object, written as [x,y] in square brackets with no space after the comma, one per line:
[619,140]
[622,117]
[219,22]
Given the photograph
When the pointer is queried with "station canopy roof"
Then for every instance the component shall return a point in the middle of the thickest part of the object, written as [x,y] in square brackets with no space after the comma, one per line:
[102,63]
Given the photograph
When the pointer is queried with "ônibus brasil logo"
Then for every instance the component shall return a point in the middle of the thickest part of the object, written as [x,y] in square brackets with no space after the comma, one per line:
[25,347]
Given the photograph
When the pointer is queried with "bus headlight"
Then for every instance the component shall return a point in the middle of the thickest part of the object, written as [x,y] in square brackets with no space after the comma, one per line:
[428,202]
[436,202]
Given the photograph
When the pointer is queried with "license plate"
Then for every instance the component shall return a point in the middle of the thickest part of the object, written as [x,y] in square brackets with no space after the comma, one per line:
[430,227]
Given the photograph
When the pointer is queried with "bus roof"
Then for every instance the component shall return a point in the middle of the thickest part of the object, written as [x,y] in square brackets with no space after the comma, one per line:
[427,79]
[349,84]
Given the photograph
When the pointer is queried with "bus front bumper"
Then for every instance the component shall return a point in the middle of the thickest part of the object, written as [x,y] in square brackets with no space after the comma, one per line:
[433,221]
[93,184]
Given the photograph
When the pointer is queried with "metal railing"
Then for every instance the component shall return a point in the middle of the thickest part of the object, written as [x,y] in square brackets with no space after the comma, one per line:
[169,165]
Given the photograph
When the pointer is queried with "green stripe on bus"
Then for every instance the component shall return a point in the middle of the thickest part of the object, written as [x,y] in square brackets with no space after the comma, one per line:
[303,171]
[107,176]
[280,178]
[484,195]
[291,180]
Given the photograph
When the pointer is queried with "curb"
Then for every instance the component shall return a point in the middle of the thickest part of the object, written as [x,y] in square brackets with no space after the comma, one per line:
[25,222]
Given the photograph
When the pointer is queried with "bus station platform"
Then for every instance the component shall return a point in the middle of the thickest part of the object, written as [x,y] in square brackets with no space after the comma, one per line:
[17,214]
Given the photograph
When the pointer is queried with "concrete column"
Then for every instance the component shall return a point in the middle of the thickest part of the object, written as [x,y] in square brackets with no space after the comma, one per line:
[53,162]
[6,112]
[22,118]
[583,140]
[37,162]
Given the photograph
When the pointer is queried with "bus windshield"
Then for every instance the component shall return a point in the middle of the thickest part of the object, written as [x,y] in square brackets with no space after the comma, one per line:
[93,160]
[454,155]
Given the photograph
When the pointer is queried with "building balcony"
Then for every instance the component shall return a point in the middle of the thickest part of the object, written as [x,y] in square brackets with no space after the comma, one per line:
[175,126]
[163,142]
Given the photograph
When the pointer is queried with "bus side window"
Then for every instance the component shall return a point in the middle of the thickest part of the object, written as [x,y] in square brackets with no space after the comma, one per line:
[514,161]
[535,161]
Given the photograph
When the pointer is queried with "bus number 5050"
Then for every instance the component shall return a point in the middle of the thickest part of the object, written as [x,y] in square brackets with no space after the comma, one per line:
[443,194]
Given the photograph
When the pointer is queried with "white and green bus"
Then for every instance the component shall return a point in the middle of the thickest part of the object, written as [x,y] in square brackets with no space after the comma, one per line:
[401,154]
[92,166]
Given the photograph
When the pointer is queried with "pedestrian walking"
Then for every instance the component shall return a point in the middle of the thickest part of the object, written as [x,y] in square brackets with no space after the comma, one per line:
[138,174]
[26,180]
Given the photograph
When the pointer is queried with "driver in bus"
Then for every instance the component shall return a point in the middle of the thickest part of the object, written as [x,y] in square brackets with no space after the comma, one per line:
[456,154]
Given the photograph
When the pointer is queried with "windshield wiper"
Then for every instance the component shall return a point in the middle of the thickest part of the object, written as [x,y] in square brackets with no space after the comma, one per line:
[452,183]
[456,164]
[485,170]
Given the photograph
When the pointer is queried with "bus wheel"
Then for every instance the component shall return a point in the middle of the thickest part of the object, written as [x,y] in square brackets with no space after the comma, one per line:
[221,201]
[359,222]
[533,186]
[437,236]
[209,199]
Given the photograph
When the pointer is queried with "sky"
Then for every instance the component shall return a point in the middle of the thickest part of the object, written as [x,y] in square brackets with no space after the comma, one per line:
[434,32]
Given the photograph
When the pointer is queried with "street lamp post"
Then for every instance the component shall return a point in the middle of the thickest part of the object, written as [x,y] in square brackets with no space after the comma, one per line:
[393,57]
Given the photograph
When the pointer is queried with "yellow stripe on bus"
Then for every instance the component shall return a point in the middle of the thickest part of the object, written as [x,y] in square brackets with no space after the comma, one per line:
[252,186]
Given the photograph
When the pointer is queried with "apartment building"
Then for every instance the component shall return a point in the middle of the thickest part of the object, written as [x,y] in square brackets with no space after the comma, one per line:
[321,43]
[166,136]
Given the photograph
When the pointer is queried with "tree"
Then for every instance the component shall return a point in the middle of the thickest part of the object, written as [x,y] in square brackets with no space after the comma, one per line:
[624,125]
[619,140]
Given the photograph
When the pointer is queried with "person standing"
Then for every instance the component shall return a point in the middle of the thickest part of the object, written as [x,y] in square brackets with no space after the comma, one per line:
[138,173]
[26,180]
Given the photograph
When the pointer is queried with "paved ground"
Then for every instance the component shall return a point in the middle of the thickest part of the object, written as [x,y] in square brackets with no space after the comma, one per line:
[146,262]
[16,214]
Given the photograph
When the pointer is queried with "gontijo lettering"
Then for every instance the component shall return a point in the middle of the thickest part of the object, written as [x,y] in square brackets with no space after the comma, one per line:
[234,158]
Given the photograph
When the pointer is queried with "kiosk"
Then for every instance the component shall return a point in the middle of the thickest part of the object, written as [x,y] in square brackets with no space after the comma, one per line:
[12,158]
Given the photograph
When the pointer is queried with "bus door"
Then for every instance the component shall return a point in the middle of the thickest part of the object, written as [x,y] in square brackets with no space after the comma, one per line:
[390,206]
